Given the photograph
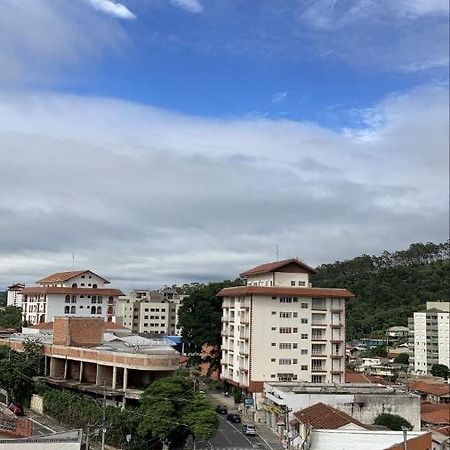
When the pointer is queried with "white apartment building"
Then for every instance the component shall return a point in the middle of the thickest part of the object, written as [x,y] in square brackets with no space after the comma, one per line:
[14,295]
[153,312]
[76,293]
[429,338]
[279,328]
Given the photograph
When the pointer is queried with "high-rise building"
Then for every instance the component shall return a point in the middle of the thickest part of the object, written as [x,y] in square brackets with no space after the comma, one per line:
[76,293]
[279,328]
[14,295]
[429,337]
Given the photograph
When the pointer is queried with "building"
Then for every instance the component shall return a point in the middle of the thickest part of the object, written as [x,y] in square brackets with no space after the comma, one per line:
[279,328]
[397,335]
[68,440]
[429,337]
[79,293]
[154,312]
[14,295]
[80,356]
[362,401]
[432,392]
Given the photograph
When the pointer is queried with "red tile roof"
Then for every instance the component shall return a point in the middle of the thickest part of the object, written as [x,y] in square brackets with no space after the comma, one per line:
[439,417]
[272,266]
[426,407]
[443,430]
[288,291]
[64,276]
[43,290]
[433,389]
[321,416]
[356,377]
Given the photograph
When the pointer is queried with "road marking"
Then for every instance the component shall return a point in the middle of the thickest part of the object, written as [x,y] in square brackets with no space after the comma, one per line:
[42,425]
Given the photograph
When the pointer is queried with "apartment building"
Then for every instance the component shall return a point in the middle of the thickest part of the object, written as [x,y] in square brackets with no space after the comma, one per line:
[154,312]
[14,295]
[279,328]
[76,293]
[429,337]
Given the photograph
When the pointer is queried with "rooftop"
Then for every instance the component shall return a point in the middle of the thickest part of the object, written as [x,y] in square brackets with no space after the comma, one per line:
[273,266]
[433,389]
[44,290]
[59,277]
[288,291]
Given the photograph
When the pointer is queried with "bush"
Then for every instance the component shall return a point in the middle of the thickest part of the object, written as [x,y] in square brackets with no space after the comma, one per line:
[440,370]
[393,422]
[403,358]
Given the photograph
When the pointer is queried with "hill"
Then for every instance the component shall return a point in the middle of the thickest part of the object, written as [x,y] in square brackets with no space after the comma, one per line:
[390,287]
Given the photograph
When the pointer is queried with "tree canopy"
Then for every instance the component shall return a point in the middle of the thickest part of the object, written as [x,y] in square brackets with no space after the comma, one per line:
[11,317]
[440,370]
[393,422]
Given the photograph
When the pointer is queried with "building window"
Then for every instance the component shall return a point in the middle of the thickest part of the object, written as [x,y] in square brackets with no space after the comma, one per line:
[145,324]
[93,309]
[295,345]
[294,314]
[273,298]
[292,283]
[74,285]
[67,299]
[302,283]
[285,330]
[272,359]
[74,298]
[295,300]
[145,317]
[304,367]
[99,309]
[94,286]
[273,344]
[284,362]
[82,276]
[294,361]
[304,351]
[304,336]
[274,313]
[73,309]
[305,305]
[94,299]
[285,315]
[99,299]
[272,375]
[304,320]
[295,330]
[285,346]
[82,284]
[66,309]
[274,328]
[285,299]
[110,310]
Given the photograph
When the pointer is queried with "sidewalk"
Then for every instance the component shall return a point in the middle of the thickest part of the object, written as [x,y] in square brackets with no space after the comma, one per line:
[263,430]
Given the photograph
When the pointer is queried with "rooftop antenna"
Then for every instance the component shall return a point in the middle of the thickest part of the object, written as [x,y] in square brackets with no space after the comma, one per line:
[278,252]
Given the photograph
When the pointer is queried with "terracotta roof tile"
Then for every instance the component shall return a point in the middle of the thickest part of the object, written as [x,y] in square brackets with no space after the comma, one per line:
[321,416]
[64,276]
[288,291]
[439,417]
[43,290]
[426,407]
[356,377]
[272,266]
[444,430]
[433,389]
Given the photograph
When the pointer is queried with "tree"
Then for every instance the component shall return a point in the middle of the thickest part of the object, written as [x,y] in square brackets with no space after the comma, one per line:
[171,410]
[11,317]
[440,370]
[403,358]
[379,351]
[393,422]
[200,314]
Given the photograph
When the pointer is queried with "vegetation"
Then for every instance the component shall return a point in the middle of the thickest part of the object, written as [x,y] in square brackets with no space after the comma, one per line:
[379,351]
[393,422]
[170,411]
[3,295]
[440,370]
[11,317]
[390,287]
[403,358]
[17,370]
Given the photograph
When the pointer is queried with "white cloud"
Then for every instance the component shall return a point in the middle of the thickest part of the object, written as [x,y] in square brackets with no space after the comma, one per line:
[279,97]
[113,9]
[144,194]
[193,6]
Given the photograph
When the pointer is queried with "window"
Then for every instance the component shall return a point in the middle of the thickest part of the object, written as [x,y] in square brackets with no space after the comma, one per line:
[99,309]
[146,309]
[110,310]
[295,300]
[273,298]
[273,344]
[163,309]
[145,317]
[81,306]
[274,328]
[285,346]
[145,324]
[272,375]
[304,367]
[302,283]
[304,320]
[99,299]
[292,283]
[74,285]
[294,314]
[285,330]
[67,299]
[304,305]
[93,299]
[94,286]
[284,362]
[294,345]
[304,336]
[285,315]
[66,309]
[82,284]
[82,276]
[294,361]
[272,359]
[93,309]
[285,299]
[304,351]
[274,313]
[73,309]
[295,330]
[89,285]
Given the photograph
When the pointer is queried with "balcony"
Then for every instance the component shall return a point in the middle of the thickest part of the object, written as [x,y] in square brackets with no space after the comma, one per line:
[244,335]
[318,337]
[318,369]
[336,372]
[318,324]
[336,325]
[336,310]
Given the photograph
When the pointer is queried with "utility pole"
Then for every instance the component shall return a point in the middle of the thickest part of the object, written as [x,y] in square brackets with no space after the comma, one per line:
[87,437]
[104,417]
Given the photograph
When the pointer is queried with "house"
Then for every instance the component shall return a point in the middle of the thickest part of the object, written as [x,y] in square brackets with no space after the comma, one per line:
[433,393]
[279,328]
[77,293]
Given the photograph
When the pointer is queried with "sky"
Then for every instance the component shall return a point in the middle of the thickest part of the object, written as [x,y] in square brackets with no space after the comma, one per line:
[171,141]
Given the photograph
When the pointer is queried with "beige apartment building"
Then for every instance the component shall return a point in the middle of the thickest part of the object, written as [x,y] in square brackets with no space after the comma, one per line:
[279,328]
[153,312]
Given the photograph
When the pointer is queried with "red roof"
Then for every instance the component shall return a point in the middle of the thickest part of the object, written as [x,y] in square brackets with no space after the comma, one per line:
[325,417]
[356,377]
[273,266]
[443,430]
[43,290]
[439,417]
[433,389]
[288,291]
[64,276]
[426,407]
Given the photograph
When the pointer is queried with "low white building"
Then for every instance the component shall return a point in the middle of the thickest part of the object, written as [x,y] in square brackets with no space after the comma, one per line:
[77,293]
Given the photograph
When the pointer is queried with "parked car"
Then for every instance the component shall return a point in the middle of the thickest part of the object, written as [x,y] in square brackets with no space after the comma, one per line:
[221,409]
[235,418]
[249,429]
[16,408]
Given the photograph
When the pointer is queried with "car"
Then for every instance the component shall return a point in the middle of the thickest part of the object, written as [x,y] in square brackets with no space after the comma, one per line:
[233,417]
[221,409]
[16,408]
[249,429]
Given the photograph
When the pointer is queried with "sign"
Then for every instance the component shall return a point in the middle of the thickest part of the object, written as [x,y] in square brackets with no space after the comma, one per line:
[248,402]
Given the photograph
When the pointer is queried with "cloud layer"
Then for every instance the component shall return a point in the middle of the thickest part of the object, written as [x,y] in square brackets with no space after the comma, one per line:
[114,9]
[151,196]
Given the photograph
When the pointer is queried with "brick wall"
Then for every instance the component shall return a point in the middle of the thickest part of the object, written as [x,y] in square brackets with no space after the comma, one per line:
[78,331]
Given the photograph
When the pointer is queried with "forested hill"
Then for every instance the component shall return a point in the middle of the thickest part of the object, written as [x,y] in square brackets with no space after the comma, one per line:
[390,287]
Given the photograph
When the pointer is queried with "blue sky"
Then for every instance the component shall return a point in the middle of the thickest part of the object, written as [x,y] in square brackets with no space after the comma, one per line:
[171,141]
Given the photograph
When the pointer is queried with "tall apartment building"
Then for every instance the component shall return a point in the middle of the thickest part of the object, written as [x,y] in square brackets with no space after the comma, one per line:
[14,295]
[154,312]
[429,337]
[279,328]
[76,293]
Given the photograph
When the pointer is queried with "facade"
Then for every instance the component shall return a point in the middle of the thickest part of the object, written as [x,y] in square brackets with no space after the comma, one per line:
[154,312]
[79,355]
[14,295]
[279,328]
[78,293]
[429,337]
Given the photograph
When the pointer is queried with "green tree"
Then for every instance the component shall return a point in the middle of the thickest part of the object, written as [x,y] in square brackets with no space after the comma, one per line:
[440,370]
[379,351]
[393,422]
[200,314]
[11,317]
[403,358]
[171,410]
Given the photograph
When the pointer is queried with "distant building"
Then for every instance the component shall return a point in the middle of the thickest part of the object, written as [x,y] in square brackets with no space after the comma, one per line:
[278,327]
[153,312]
[429,338]
[397,335]
[14,295]
[79,293]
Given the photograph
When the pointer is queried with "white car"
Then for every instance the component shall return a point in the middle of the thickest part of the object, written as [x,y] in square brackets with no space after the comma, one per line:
[249,430]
